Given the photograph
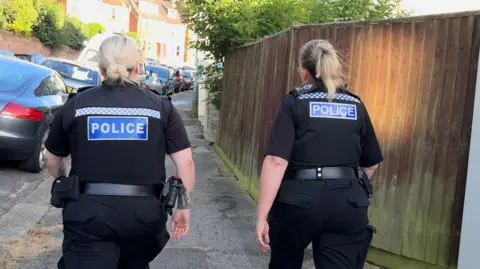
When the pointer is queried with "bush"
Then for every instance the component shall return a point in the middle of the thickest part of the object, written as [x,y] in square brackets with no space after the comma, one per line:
[72,33]
[91,29]
[47,27]
[19,15]
[2,18]
[213,81]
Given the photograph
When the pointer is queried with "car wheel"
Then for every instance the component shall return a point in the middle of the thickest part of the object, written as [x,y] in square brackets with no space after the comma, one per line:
[36,163]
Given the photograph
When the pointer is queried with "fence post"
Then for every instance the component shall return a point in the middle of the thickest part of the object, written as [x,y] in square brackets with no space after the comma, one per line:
[470,235]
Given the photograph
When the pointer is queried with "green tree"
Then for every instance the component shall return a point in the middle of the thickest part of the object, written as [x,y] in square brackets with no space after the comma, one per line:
[91,29]
[50,20]
[2,18]
[72,35]
[19,15]
[221,25]
[225,24]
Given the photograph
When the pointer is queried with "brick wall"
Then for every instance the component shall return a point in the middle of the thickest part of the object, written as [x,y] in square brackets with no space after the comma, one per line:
[19,44]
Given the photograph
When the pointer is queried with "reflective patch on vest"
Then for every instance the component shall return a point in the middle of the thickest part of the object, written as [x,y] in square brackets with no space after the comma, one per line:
[323,95]
[117,128]
[117,111]
[333,111]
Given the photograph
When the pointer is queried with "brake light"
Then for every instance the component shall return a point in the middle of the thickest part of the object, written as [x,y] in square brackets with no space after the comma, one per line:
[146,86]
[22,112]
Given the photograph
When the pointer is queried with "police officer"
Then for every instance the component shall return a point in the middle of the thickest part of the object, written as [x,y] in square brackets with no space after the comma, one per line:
[117,135]
[321,141]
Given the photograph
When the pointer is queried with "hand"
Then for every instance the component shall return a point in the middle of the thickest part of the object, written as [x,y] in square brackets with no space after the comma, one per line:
[261,235]
[180,223]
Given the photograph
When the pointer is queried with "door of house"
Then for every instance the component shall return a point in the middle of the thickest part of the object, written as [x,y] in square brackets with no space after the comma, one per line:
[159,49]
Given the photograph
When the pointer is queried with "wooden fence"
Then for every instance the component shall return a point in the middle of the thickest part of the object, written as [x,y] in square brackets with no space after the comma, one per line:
[417,77]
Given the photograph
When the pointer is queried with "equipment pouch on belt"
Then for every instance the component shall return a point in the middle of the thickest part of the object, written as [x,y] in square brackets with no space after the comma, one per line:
[365,183]
[64,189]
[170,193]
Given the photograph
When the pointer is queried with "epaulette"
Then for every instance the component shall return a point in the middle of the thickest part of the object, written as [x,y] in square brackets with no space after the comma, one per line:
[79,90]
[302,89]
[347,92]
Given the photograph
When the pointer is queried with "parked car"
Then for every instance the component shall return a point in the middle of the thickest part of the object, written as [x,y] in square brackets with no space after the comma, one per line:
[33,58]
[178,81]
[29,96]
[4,53]
[89,55]
[152,83]
[164,77]
[188,78]
[74,74]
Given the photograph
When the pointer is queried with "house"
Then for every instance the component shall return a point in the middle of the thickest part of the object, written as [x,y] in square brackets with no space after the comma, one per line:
[114,15]
[161,31]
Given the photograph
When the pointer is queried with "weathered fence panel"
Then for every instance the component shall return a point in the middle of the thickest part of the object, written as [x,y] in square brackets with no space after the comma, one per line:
[417,78]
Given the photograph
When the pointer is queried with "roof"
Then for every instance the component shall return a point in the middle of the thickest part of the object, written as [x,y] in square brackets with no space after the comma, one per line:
[86,66]
[163,12]
[113,2]
[151,16]
[25,65]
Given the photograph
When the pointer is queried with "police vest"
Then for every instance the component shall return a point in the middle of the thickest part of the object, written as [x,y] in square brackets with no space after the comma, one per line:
[327,133]
[118,136]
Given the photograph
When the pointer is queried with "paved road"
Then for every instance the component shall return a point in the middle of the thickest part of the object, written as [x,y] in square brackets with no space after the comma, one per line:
[223,216]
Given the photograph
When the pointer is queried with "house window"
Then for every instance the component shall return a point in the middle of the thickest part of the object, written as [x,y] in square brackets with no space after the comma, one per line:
[113,13]
[178,50]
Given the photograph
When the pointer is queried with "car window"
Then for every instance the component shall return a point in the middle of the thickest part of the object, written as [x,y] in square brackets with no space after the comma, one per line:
[74,72]
[160,72]
[38,58]
[141,69]
[187,75]
[24,57]
[60,85]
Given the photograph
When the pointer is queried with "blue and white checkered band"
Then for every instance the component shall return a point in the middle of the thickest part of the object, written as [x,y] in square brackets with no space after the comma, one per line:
[117,111]
[323,95]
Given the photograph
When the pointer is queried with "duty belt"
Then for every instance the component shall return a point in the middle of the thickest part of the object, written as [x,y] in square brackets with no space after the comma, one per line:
[120,189]
[320,173]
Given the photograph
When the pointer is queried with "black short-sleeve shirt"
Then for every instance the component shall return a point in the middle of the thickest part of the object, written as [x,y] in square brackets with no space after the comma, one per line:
[308,139]
[128,160]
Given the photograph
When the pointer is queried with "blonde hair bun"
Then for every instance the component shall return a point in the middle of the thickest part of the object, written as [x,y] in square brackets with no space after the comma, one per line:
[116,71]
[117,58]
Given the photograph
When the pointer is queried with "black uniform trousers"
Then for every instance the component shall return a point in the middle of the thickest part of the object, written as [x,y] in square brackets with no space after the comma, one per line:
[112,232]
[330,214]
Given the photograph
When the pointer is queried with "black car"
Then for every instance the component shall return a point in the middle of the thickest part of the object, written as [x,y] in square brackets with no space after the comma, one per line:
[33,58]
[29,95]
[164,76]
[74,74]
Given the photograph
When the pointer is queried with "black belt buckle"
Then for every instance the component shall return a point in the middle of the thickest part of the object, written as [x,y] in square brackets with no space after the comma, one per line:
[110,189]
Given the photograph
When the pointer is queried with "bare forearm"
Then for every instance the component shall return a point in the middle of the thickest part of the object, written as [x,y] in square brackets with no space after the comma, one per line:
[187,174]
[56,165]
[271,176]
[370,170]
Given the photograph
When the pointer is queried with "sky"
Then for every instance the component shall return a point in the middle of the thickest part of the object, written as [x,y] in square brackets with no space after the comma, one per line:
[425,7]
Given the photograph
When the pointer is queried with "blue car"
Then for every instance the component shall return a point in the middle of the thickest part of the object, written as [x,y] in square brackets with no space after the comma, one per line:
[29,96]
[164,77]
[7,54]
[74,74]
